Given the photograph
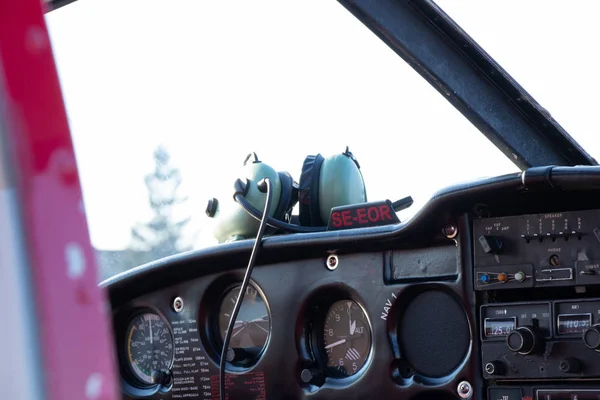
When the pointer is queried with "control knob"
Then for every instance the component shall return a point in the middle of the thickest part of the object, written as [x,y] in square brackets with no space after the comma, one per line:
[312,376]
[591,337]
[236,355]
[490,244]
[523,340]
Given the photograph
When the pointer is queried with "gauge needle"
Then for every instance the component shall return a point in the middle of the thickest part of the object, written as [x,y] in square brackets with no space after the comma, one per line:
[335,344]
[352,327]
[151,339]
[350,317]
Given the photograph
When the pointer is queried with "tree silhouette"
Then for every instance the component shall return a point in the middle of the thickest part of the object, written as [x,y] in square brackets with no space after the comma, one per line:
[162,235]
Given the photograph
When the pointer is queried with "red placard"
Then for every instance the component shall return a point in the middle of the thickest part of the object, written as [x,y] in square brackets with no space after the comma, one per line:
[362,215]
[73,315]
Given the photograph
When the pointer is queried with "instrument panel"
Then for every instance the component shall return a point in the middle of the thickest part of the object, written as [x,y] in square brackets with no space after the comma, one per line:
[302,331]
[489,294]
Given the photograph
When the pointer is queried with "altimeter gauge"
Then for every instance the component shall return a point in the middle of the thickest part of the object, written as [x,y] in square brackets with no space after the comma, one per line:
[346,337]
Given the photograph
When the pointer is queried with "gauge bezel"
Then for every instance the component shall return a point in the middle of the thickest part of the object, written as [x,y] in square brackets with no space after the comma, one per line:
[132,319]
[321,340]
[130,382]
[210,308]
[245,364]
[405,373]
[316,315]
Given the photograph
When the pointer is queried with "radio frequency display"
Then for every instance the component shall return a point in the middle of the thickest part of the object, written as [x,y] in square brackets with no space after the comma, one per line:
[569,324]
[497,327]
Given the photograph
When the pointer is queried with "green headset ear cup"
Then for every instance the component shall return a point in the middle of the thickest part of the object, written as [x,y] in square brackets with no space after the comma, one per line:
[341,183]
[288,198]
[308,191]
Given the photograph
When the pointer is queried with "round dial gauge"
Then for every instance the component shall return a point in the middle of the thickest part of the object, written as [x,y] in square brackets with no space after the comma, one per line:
[347,337]
[252,326]
[149,346]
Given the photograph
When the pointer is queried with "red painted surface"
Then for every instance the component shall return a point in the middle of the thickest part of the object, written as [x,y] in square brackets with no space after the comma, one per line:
[72,312]
[362,216]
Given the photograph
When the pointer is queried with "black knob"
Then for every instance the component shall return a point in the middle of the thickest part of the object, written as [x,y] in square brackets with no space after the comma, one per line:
[570,365]
[162,377]
[523,340]
[236,354]
[312,376]
[591,337]
[495,368]
[490,244]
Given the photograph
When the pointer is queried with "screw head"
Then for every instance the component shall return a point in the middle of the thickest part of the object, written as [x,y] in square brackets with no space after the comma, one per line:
[465,390]
[332,262]
[450,230]
[178,304]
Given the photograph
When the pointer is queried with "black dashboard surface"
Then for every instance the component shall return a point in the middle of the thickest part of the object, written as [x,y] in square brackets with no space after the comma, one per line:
[415,286]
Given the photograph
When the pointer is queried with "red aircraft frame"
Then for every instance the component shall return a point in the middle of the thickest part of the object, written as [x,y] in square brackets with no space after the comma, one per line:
[57,328]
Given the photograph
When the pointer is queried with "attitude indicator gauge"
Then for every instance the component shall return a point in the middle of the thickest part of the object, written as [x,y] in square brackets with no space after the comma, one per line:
[251,328]
[149,347]
[346,337]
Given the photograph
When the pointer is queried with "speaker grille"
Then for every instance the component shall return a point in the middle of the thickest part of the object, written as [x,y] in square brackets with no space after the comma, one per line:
[434,334]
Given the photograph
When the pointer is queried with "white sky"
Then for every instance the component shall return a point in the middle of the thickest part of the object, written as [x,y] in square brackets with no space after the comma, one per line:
[215,80]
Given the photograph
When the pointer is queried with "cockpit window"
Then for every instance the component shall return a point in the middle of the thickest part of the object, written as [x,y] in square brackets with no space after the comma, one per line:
[165,102]
[546,45]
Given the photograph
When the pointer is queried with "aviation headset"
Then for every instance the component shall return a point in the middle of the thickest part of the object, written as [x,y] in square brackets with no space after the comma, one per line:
[325,183]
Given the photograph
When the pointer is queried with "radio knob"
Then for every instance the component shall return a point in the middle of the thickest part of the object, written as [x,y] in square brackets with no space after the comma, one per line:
[591,337]
[523,340]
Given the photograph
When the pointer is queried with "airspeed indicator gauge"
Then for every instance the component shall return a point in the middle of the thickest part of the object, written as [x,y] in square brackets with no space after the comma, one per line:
[346,337]
[149,347]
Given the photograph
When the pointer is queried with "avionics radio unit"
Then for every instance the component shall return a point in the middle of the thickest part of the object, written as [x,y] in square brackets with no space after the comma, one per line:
[541,340]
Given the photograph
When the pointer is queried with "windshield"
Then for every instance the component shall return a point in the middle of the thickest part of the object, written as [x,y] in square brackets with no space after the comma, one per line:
[165,103]
[548,47]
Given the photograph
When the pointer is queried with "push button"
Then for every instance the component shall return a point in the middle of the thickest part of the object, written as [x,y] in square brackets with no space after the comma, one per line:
[505,394]
[520,276]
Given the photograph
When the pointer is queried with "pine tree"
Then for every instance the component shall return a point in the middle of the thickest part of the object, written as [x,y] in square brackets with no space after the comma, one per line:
[162,235]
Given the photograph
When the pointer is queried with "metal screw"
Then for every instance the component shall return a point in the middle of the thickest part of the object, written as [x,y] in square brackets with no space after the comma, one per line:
[332,262]
[450,231]
[465,390]
[178,304]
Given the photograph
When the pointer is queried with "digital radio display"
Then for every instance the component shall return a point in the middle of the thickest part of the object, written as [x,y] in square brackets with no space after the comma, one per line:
[498,327]
[569,324]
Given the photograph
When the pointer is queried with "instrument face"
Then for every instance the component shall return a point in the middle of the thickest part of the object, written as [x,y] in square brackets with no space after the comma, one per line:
[346,337]
[252,327]
[149,345]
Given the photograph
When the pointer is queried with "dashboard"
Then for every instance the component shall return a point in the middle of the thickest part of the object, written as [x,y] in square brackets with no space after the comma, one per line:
[490,292]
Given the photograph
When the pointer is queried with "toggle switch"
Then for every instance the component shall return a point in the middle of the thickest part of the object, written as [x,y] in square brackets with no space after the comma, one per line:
[490,244]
